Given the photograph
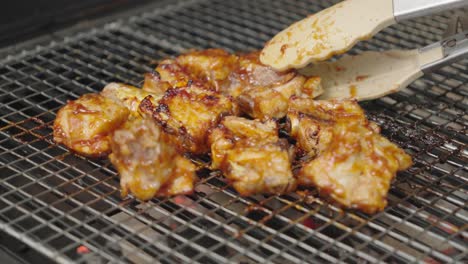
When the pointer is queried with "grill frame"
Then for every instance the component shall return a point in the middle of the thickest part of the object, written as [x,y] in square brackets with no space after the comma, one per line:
[45,189]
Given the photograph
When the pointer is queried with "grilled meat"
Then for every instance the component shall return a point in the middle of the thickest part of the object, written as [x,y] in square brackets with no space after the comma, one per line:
[154,84]
[351,162]
[212,67]
[172,73]
[148,162]
[85,125]
[191,104]
[311,122]
[129,96]
[264,92]
[189,113]
[251,156]
[260,91]
[269,102]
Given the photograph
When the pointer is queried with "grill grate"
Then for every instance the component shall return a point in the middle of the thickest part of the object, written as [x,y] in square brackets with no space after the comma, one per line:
[69,208]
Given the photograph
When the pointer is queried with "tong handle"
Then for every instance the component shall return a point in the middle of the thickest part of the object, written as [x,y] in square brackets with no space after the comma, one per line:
[451,49]
[406,9]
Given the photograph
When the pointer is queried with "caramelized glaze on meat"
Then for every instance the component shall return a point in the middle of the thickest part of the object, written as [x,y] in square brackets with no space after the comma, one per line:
[212,67]
[260,91]
[171,72]
[129,96]
[189,113]
[148,162]
[85,125]
[270,102]
[311,122]
[154,84]
[352,163]
[251,156]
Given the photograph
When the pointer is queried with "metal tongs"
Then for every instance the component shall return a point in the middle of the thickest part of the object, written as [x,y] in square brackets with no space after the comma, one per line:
[370,74]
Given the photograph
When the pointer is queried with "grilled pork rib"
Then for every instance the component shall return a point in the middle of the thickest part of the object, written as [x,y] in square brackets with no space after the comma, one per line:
[229,106]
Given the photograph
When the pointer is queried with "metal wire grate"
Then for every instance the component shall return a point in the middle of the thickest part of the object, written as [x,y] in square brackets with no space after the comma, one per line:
[69,208]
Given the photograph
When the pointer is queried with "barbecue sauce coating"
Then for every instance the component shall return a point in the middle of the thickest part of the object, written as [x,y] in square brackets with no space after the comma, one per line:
[128,96]
[252,156]
[148,162]
[349,161]
[154,84]
[85,125]
[260,91]
[189,113]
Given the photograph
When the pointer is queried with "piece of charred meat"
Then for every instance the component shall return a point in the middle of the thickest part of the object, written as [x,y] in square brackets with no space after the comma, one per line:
[129,96]
[189,113]
[251,156]
[212,67]
[349,160]
[148,163]
[260,91]
[265,102]
[154,84]
[311,122]
[85,125]
[265,92]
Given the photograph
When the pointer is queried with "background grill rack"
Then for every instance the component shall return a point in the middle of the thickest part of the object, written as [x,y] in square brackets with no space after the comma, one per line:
[69,208]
